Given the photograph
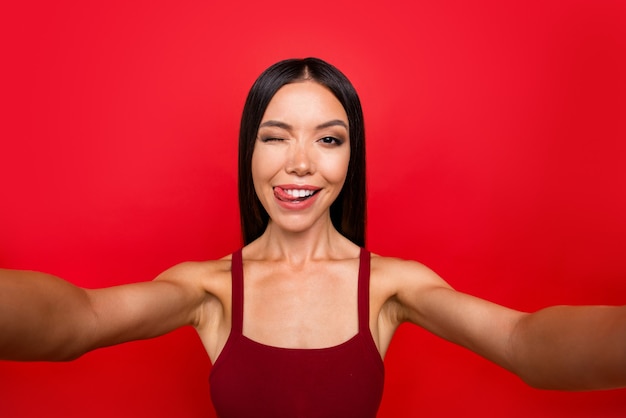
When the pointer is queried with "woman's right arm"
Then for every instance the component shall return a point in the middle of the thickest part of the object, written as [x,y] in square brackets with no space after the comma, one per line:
[46,318]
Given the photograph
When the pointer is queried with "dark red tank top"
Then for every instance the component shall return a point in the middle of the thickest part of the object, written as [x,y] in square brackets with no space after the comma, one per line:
[250,379]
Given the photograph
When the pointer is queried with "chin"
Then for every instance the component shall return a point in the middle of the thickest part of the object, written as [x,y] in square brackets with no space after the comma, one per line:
[298,226]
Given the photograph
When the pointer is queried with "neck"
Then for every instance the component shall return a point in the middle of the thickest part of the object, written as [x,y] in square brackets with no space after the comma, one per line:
[297,248]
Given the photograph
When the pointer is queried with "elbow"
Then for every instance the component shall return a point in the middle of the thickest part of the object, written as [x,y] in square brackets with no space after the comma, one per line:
[537,382]
[61,354]
[67,356]
[570,378]
[522,357]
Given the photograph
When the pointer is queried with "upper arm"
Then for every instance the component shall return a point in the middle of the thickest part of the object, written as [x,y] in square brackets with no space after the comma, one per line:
[43,317]
[425,299]
[148,309]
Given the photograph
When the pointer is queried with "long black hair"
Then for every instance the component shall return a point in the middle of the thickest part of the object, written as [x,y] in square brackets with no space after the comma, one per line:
[348,212]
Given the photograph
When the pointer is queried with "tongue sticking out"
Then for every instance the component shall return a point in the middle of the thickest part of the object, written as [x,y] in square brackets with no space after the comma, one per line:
[281,194]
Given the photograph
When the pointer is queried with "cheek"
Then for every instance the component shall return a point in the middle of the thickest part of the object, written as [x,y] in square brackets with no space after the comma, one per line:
[264,166]
[256,169]
[257,172]
[336,168]
[260,165]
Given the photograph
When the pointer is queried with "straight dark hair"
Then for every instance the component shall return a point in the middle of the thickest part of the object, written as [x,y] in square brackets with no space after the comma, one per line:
[348,212]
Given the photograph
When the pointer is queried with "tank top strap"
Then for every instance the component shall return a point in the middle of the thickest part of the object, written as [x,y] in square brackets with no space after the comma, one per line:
[237,290]
[364,291]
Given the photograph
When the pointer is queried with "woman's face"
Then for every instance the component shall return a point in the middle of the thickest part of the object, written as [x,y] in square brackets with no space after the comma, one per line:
[301,155]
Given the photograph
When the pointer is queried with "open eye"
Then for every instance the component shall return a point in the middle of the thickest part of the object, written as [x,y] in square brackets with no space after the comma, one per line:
[331,140]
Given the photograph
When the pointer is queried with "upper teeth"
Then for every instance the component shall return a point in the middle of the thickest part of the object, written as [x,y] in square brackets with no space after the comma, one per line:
[299,192]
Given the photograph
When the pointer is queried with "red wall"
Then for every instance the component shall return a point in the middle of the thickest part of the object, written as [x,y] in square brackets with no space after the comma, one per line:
[497,156]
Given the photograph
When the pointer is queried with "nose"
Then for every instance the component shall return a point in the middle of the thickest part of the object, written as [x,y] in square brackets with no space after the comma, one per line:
[299,161]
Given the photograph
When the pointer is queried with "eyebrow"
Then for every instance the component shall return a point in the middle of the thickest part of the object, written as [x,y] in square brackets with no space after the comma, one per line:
[287,127]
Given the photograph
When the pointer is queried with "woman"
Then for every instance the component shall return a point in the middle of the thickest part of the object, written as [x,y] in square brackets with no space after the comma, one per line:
[305,333]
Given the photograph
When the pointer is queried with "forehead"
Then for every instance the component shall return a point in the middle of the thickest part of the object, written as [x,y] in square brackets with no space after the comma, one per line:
[304,102]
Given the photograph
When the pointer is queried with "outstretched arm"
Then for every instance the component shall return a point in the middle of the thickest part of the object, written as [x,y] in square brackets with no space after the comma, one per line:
[572,347]
[563,347]
[45,318]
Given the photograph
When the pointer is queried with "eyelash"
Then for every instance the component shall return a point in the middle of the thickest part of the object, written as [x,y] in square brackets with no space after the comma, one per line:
[333,140]
[270,139]
[327,140]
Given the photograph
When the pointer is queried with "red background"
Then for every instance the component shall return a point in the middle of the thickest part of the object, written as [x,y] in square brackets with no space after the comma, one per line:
[496,155]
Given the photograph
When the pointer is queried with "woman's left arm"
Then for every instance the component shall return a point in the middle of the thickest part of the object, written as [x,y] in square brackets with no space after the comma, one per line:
[561,347]
[572,347]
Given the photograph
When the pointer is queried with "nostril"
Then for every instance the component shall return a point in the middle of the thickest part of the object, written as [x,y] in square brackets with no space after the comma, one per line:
[299,166]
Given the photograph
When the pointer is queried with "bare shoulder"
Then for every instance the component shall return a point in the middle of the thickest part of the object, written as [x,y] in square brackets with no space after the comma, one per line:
[213,276]
[398,274]
[397,288]
[213,280]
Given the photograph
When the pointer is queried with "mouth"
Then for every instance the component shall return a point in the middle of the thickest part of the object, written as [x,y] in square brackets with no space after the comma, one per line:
[294,195]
